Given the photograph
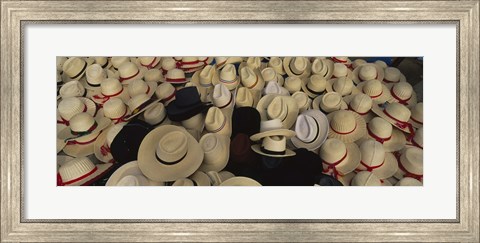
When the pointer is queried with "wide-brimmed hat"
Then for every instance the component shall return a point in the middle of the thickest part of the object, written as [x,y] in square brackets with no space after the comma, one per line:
[293,84]
[59,62]
[367,71]
[74,68]
[410,163]
[217,122]
[277,64]
[254,63]
[417,140]
[365,178]
[270,75]
[95,74]
[303,101]
[124,147]
[60,145]
[139,86]
[205,79]
[223,99]
[297,67]
[165,92]
[69,107]
[229,77]
[104,62]
[273,146]
[323,68]
[168,153]
[217,150]
[247,97]
[81,172]
[240,181]
[393,75]
[340,70]
[129,72]
[280,107]
[110,88]
[381,131]
[101,147]
[274,88]
[272,127]
[403,93]
[376,160]
[149,62]
[156,115]
[329,102]
[346,125]
[116,110]
[130,174]
[396,114]
[376,90]
[200,178]
[381,64]
[343,85]
[83,124]
[343,60]
[311,130]
[195,124]
[153,75]
[186,104]
[315,86]
[118,61]
[140,103]
[220,62]
[245,120]
[416,118]
[175,76]
[338,158]
[361,104]
[358,62]
[409,181]
[167,63]
[73,89]
[251,78]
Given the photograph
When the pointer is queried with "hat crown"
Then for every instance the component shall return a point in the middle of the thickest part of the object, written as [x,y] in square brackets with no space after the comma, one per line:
[211,144]
[221,95]
[392,74]
[81,122]
[270,125]
[301,99]
[275,62]
[412,160]
[110,86]
[340,70]
[95,74]
[298,64]
[153,75]
[332,150]
[317,83]
[127,69]
[101,60]
[76,168]
[306,128]
[168,63]
[417,112]
[254,62]
[118,61]
[418,138]
[244,97]
[69,107]
[358,62]
[277,109]
[403,90]
[155,113]
[318,67]
[373,88]
[206,75]
[112,133]
[248,76]
[164,90]
[293,84]
[114,108]
[373,153]
[269,74]
[215,119]
[172,147]
[73,66]
[343,121]
[398,111]
[366,178]
[133,180]
[137,101]
[361,103]
[380,127]
[331,101]
[187,97]
[137,87]
[228,72]
[274,143]
[367,72]
[175,74]
[343,85]
[72,89]
[148,60]
[274,88]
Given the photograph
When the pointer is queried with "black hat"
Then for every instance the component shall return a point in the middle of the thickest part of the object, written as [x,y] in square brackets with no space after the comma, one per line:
[327,180]
[187,104]
[245,120]
[124,147]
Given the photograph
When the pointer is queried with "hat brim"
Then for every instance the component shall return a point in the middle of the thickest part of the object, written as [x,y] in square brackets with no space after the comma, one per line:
[102,169]
[355,135]
[352,160]
[389,167]
[379,111]
[101,141]
[130,168]
[355,73]
[410,103]
[146,105]
[277,132]
[102,123]
[157,171]
[318,99]
[384,97]
[306,73]
[240,181]
[415,124]
[390,84]
[291,106]
[257,149]
[322,132]
[80,150]
[62,159]
[123,96]
[329,87]
[200,178]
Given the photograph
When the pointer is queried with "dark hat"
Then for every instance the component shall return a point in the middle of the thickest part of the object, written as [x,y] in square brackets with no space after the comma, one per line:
[242,156]
[327,180]
[187,104]
[245,120]
[124,147]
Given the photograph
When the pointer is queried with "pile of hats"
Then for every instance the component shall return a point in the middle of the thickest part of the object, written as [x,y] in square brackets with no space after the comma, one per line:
[234,121]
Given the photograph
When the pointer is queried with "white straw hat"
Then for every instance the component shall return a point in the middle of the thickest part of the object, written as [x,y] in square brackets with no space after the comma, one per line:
[329,102]
[200,178]
[323,68]
[393,75]
[280,107]
[69,107]
[338,158]
[410,163]
[59,62]
[376,90]
[416,119]
[110,88]
[417,140]
[358,62]
[129,72]
[245,97]
[275,88]
[229,77]
[273,146]
[367,72]
[73,89]
[269,75]
[74,68]
[153,75]
[130,174]
[104,62]
[116,110]
[340,70]
[156,115]
[342,85]
[149,62]
[293,84]
[95,74]
[167,64]
[81,172]
[272,128]
[408,181]
[297,67]
[254,63]
[101,147]
[217,152]
[396,114]
[118,61]
[217,122]
[168,153]
[311,130]
[220,62]
[315,86]
[381,131]
[277,64]
[175,76]
[366,178]
[217,178]
[83,124]
[165,92]
[346,125]
[251,78]
[361,104]
[140,103]
[374,159]
[343,60]
[240,181]
[303,101]
[403,93]
[381,64]
[206,77]
[223,99]
[139,86]
[62,159]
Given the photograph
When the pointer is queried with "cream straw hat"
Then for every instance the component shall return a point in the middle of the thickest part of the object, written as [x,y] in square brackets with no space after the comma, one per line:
[361,104]
[116,110]
[62,159]
[315,86]
[293,84]
[217,152]
[60,145]
[340,70]
[358,62]
[167,64]
[277,64]
[408,181]
[342,85]
[217,178]
[118,61]
[104,62]
[69,107]
[374,159]
[297,67]
[175,76]
[396,114]
[245,97]
[251,78]
[165,92]
[156,115]
[367,72]
[416,119]
[149,62]
[101,147]
[329,102]
[280,107]
[275,88]
[346,125]
[229,77]
[381,131]
[83,124]
[73,89]
[376,90]
[269,75]
[410,163]
[130,174]
[217,122]
[95,74]
[205,78]
[417,140]
[153,75]
[403,93]
[74,68]
[140,103]
[81,172]
[223,99]
[255,63]
[200,178]
[110,88]
[273,146]
[240,181]
[303,101]
[311,130]
[129,72]
[338,158]
[139,86]
[194,124]
[393,75]
[59,62]
[366,178]
[272,128]
[381,64]
[343,60]
[323,68]
[222,61]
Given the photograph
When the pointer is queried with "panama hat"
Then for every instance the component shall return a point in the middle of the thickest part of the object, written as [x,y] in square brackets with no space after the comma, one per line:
[95,74]
[200,178]
[217,151]
[329,102]
[116,110]
[251,78]
[315,86]
[81,172]
[402,92]
[156,115]
[410,163]
[149,62]
[101,146]
[74,68]
[338,158]
[118,61]
[376,90]
[245,120]
[168,153]
[293,84]
[246,97]
[346,125]
[59,62]
[340,70]
[139,86]
[393,75]
[196,122]
[280,107]
[220,62]
[343,60]
[342,85]
[73,89]
[216,178]
[175,76]
[139,103]
[275,88]
[240,181]
[129,72]
[323,68]
[277,64]
[269,75]
[206,77]
[69,107]
[110,88]
[165,92]
[62,159]
[223,99]
[367,72]
[417,140]
[381,64]
[376,160]
[408,181]
[186,104]
[381,131]
[104,62]
[167,63]
[217,122]
[396,114]
[83,124]
[303,101]
[366,178]
[311,130]
[273,146]
[254,63]
[416,119]
[358,62]
[297,67]
[272,127]
[229,77]
[129,174]
[361,104]
[153,75]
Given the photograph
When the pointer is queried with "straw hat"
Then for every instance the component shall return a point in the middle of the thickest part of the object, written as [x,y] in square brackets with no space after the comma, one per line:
[280,107]
[73,89]
[303,101]
[381,131]
[315,86]
[139,103]
[153,75]
[374,159]
[340,70]
[366,178]
[297,67]
[346,125]
[251,78]
[60,145]
[417,140]
[311,130]
[393,75]
[240,181]
[118,61]
[396,114]
[95,74]
[246,97]
[74,68]
[206,77]
[110,88]
[81,172]
[156,115]
[223,99]
[329,102]
[381,64]
[273,146]
[343,60]
[83,124]
[194,124]
[410,163]
[228,76]
[186,104]
[342,85]
[277,64]
[269,75]
[130,174]
[358,62]
[408,181]
[116,110]
[338,158]
[104,62]
[168,153]
[220,62]
[62,159]
[101,147]
[361,104]
[59,62]
[403,93]
[139,86]
[200,178]
[216,178]
[254,63]
[69,107]
[323,68]
[416,119]
[149,62]
[165,92]
[217,151]
[129,72]
[167,64]
[272,128]
[217,122]
[293,84]
[175,76]
[376,90]
[275,88]
[367,71]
